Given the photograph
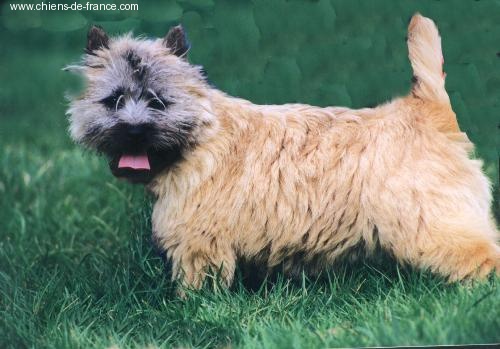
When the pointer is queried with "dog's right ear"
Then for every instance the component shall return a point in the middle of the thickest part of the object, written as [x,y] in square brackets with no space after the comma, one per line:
[96,39]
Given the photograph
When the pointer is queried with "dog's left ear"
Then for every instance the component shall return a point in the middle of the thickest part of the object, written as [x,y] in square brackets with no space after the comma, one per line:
[176,41]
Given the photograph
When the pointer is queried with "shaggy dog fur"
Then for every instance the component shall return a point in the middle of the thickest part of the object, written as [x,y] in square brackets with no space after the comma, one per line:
[291,185]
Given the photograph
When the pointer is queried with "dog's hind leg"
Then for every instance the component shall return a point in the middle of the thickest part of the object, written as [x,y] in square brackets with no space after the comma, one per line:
[455,251]
[446,229]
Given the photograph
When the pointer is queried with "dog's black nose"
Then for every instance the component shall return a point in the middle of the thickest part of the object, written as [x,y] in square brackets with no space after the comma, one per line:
[133,137]
[137,130]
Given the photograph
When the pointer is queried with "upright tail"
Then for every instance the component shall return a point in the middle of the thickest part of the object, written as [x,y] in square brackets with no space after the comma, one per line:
[426,57]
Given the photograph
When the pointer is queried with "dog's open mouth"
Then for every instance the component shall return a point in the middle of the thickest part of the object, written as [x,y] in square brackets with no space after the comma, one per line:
[142,167]
[133,167]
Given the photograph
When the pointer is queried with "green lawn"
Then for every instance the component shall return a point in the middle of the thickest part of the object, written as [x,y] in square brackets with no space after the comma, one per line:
[76,266]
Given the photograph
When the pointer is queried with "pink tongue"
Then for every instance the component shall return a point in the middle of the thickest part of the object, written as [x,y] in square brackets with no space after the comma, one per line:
[136,162]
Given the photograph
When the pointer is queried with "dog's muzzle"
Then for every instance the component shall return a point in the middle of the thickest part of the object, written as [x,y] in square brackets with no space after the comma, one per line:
[134,154]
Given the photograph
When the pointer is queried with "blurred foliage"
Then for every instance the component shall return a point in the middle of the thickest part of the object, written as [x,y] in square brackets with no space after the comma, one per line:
[324,52]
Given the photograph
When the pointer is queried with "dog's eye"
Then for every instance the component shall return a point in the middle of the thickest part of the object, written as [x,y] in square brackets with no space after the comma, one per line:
[156,103]
[114,101]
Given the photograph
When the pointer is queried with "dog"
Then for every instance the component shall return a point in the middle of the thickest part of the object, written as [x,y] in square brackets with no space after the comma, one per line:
[294,185]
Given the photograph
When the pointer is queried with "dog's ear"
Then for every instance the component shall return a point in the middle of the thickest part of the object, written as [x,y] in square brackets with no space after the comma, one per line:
[176,41]
[96,39]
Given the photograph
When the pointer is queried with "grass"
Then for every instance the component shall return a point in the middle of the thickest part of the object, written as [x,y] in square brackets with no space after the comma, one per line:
[77,269]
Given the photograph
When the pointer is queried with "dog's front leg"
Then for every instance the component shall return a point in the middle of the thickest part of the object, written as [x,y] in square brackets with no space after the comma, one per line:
[194,260]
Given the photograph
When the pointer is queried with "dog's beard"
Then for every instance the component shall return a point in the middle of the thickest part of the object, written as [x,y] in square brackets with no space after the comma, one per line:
[139,159]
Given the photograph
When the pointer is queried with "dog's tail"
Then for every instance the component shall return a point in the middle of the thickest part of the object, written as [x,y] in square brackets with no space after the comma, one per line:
[426,57]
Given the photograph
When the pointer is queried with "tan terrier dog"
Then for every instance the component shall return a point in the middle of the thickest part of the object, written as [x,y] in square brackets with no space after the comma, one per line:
[292,185]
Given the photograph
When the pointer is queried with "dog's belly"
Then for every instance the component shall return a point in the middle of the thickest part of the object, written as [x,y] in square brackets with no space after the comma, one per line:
[294,236]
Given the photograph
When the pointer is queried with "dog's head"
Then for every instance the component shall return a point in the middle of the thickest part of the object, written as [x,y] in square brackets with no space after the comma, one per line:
[144,104]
